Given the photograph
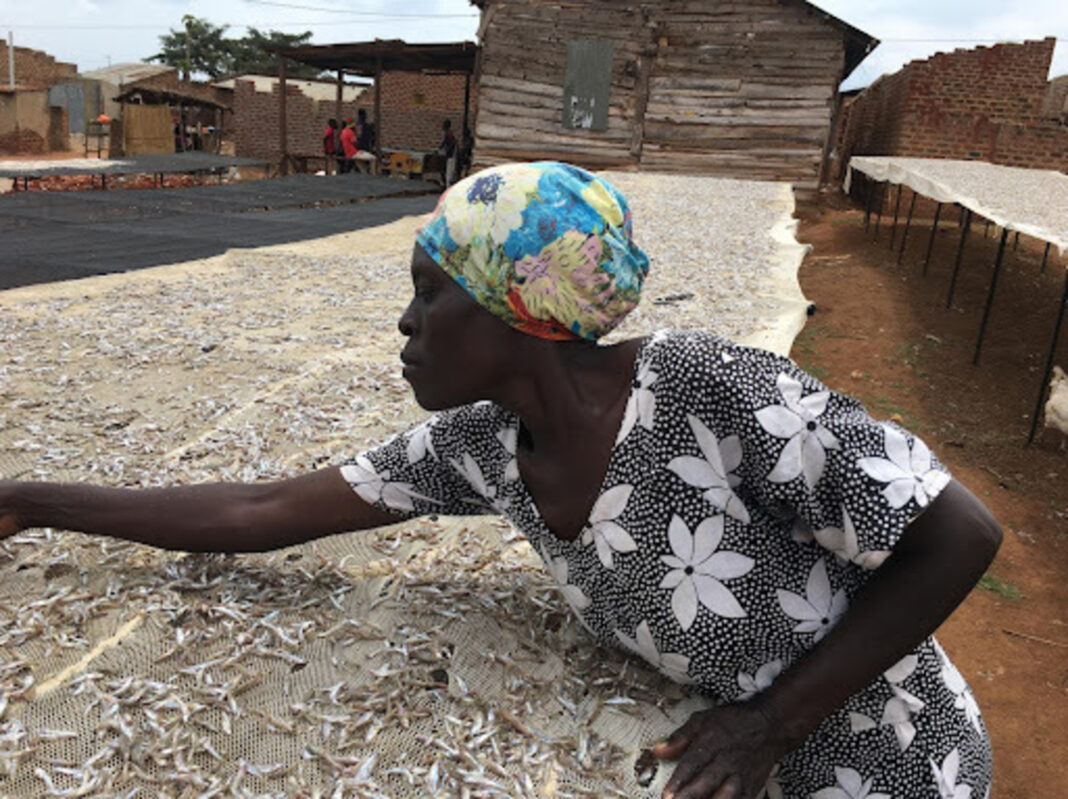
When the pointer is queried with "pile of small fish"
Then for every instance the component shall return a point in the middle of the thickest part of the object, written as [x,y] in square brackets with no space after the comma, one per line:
[433,658]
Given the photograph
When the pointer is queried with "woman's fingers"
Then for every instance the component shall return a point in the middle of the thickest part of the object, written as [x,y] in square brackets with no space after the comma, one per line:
[675,744]
[698,760]
[706,777]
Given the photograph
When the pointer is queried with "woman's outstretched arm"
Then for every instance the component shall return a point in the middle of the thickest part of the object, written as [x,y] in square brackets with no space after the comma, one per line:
[213,517]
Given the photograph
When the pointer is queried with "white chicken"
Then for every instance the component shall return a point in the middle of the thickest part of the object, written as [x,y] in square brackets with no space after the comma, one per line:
[1057,404]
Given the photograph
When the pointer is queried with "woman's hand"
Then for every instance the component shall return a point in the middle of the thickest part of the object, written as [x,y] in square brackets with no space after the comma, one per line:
[724,753]
[9,521]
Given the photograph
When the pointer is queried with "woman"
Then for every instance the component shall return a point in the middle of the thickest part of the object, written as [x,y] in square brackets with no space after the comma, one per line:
[783,553]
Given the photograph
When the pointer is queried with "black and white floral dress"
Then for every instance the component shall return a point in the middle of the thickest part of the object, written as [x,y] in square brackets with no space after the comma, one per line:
[743,507]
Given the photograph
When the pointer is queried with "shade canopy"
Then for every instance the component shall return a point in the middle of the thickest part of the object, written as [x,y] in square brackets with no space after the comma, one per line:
[392,55]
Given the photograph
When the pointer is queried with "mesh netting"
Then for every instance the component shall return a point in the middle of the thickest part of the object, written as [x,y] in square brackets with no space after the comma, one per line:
[429,658]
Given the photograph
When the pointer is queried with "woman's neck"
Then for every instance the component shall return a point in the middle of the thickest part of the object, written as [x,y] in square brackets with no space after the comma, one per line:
[567,389]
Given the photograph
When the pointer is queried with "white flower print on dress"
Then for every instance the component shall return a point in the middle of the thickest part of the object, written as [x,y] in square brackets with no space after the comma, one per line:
[668,663]
[714,471]
[899,709]
[641,404]
[818,610]
[604,530]
[772,788]
[472,472]
[754,684]
[945,777]
[964,699]
[697,569]
[420,442]
[796,421]
[373,487]
[909,472]
[850,786]
[509,437]
[572,593]
[843,543]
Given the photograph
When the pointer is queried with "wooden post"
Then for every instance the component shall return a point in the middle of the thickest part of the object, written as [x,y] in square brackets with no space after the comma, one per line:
[467,103]
[641,103]
[378,108]
[283,167]
[338,97]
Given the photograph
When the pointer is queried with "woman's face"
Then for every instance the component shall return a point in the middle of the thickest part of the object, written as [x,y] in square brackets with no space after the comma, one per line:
[457,351]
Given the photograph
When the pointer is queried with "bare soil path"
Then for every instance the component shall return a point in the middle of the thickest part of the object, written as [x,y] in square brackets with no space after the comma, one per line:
[882,333]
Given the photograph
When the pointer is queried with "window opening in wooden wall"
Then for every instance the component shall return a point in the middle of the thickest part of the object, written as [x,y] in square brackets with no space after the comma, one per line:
[587,84]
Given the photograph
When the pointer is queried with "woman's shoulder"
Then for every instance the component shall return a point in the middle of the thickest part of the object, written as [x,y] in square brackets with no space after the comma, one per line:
[697,355]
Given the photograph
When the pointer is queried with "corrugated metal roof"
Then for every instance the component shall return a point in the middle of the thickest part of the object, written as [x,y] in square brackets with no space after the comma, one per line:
[127,73]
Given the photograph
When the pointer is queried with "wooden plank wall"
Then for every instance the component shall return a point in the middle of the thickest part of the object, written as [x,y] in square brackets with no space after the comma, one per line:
[738,89]
[520,87]
[742,90]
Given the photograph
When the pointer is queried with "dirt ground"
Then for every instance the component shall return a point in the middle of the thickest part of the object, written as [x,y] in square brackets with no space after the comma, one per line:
[882,333]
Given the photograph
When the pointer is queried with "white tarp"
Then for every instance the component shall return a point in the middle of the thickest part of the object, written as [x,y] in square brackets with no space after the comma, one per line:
[1032,201]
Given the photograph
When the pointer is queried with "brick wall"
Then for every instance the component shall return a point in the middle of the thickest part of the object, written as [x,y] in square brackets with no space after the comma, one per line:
[255,122]
[414,105]
[413,108]
[1055,106]
[34,67]
[985,103]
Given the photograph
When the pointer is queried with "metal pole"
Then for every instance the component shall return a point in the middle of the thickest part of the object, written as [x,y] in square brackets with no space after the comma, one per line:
[467,103]
[879,217]
[282,132]
[1045,257]
[908,224]
[1049,359]
[871,197]
[378,109]
[897,211]
[960,254]
[10,60]
[930,243]
[990,294]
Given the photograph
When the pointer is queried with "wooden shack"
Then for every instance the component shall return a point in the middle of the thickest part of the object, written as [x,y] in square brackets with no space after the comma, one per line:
[722,87]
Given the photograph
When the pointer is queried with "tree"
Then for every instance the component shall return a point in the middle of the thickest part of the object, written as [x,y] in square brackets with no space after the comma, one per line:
[198,47]
[251,56]
[202,47]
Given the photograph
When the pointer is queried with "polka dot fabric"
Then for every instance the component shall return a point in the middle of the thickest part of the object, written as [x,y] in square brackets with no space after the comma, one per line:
[743,507]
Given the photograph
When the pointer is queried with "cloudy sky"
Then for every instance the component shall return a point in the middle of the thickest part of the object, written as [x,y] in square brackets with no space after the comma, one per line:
[94,33]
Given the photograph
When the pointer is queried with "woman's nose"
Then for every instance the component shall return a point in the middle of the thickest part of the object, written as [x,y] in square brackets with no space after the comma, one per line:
[405,324]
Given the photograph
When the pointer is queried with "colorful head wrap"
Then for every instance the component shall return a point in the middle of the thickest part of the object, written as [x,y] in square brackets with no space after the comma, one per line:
[546,247]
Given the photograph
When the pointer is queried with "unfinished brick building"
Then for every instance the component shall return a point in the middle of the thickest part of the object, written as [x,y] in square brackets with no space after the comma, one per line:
[981,104]
[29,123]
[413,107]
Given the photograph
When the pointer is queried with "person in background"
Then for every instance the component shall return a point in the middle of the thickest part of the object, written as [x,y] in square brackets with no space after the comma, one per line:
[330,144]
[348,145]
[448,149]
[365,158]
[463,161]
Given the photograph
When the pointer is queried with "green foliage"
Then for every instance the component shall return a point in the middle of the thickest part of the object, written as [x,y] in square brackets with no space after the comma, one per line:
[250,54]
[992,584]
[211,53]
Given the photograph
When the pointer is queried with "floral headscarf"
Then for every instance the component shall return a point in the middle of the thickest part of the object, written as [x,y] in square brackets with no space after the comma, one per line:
[546,247]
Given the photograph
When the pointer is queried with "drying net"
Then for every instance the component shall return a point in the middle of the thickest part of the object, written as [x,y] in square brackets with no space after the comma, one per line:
[431,658]
[1032,201]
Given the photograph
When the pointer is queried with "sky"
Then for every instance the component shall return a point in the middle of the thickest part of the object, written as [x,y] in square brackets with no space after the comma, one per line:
[96,33]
